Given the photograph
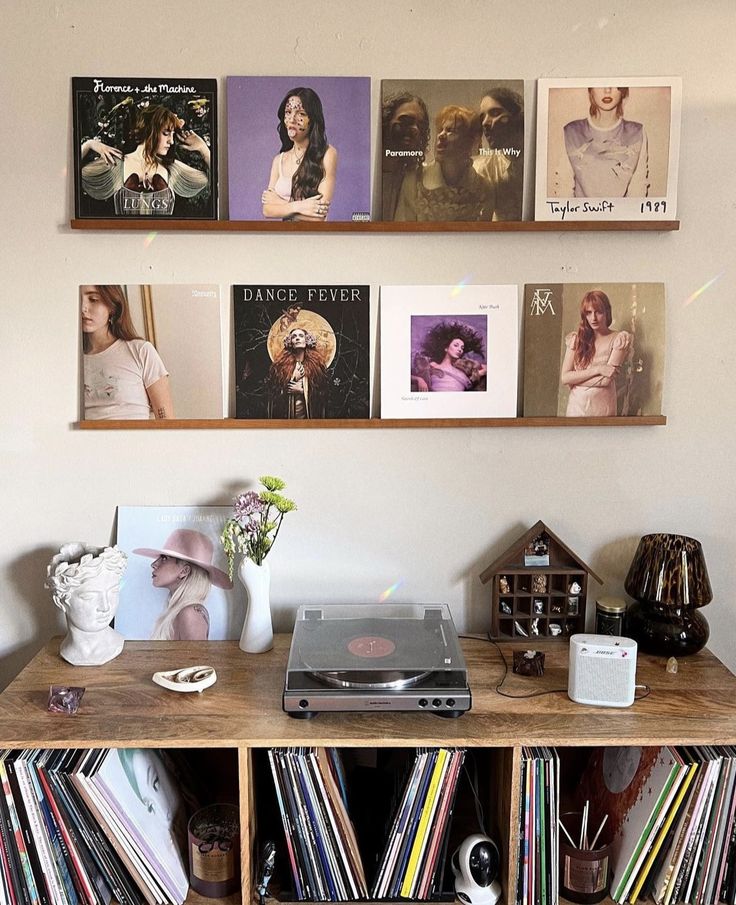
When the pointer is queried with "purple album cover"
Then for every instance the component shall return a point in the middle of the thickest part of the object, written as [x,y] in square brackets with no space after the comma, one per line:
[469,361]
[298,148]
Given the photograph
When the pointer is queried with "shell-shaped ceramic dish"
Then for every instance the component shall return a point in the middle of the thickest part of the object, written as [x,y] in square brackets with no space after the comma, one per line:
[191,678]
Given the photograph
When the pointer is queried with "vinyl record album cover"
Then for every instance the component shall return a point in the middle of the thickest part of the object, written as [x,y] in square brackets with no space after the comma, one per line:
[138,344]
[145,147]
[593,349]
[299,147]
[449,351]
[176,586]
[302,351]
[607,153]
[452,149]
[144,796]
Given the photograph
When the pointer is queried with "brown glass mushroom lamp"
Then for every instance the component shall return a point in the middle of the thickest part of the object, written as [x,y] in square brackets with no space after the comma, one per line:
[669,580]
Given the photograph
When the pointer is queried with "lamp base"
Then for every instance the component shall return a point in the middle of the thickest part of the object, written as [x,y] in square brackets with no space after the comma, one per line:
[673,632]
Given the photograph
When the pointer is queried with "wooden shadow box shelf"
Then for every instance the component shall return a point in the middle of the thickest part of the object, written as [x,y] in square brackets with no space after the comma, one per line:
[149,224]
[364,423]
[234,721]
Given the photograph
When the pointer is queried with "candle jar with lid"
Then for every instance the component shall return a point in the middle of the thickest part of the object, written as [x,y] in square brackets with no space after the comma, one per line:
[610,614]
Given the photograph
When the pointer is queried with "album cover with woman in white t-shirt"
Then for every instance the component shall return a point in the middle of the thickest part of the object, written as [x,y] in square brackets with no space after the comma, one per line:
[138,346]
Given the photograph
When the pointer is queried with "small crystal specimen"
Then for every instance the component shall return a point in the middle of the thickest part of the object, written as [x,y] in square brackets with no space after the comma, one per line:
[64,698]
[672,664]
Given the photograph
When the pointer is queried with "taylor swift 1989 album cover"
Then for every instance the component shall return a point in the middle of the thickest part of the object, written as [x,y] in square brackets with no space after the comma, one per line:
[145,147]
[302,351]
[607,152]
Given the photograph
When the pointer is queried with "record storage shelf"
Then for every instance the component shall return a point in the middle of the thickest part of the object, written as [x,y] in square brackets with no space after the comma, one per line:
[242,712]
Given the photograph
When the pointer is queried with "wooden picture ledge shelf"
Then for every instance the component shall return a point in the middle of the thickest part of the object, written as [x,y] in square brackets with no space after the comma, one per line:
[151,224]
[364,423]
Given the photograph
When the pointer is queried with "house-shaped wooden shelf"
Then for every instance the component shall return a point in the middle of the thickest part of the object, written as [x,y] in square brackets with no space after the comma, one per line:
[530,600]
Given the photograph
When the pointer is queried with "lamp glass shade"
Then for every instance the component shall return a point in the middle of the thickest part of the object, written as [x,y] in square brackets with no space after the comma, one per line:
[668,570]
[670,582]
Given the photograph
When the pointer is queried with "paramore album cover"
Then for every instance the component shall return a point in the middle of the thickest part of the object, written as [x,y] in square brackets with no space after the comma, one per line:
[302,351]
[452,149]
[593,349]
[449,351]
[299,148]
[607,153]
[145,147]
[138,344]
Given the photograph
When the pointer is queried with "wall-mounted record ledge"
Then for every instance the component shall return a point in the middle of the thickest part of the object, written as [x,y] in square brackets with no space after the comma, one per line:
[375,423]
[150,224]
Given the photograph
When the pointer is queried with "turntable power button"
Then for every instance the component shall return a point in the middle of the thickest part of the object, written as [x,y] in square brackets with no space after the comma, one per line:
[422,702]
[304,703]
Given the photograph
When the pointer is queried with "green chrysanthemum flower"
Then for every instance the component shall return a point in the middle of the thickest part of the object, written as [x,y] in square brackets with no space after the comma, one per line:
[271,483]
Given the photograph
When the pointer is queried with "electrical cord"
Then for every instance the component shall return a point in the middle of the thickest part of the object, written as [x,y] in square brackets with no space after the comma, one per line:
[473,781]
[505,694]
[532,694]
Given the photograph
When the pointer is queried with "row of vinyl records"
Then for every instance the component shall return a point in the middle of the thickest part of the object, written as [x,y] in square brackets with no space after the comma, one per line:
[299,147]
[305,351]
[537,881]
[87,827]
[679,844]
[667,819]
[92,826]
[663,819]
[323,853]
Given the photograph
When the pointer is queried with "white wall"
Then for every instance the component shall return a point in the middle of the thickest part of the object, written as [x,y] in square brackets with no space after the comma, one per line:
[424,508]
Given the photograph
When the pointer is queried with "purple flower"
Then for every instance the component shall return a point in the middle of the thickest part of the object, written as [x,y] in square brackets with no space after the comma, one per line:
[245,506]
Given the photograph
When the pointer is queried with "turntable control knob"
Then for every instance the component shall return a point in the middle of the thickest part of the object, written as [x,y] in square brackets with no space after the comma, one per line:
[451,702]
[422,702]
[436,702]
[304,703]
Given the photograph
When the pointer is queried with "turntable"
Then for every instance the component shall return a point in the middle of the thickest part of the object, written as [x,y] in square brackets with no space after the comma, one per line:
[385,657]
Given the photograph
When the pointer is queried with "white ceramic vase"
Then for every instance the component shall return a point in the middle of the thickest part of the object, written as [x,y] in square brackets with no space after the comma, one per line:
[257,634]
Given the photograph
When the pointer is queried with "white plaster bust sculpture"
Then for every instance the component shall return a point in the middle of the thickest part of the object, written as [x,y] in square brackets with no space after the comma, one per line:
[85,584]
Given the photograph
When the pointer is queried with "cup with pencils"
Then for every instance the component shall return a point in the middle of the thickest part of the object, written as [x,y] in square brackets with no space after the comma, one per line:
[585,856]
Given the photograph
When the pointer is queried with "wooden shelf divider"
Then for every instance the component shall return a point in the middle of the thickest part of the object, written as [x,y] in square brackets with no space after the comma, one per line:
[153,224]
[364,423]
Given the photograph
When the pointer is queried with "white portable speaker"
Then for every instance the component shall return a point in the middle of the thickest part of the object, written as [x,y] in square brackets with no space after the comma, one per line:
[602,670]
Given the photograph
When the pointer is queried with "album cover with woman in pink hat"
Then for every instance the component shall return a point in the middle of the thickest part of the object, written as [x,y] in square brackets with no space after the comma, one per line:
[176,586]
